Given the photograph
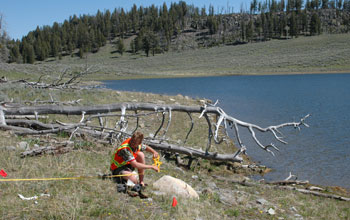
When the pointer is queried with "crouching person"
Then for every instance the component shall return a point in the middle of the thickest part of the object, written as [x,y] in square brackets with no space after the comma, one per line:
[128,156]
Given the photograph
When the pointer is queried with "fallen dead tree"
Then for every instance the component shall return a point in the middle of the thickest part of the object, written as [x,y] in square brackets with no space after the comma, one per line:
[301,190]
[47,150]
[66,80]
[217,120]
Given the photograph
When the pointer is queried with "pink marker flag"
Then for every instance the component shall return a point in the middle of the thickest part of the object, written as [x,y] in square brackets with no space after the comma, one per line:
[3,173]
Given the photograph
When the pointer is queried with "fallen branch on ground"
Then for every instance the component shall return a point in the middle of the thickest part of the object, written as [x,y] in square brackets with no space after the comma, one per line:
[305,191]
[22,127]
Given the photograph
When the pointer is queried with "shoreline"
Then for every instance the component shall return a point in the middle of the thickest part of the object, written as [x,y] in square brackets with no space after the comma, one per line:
[156,76]
[261,164]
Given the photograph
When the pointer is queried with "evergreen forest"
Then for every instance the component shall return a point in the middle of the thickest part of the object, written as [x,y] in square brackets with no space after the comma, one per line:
[155,29]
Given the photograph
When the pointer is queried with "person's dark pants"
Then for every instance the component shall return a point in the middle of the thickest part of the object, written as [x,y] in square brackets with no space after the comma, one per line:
[119,171]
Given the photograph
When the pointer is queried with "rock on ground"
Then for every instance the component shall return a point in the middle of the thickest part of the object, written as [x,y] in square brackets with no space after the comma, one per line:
[174,186]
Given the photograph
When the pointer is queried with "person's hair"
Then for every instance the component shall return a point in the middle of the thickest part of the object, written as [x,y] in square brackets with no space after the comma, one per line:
[136,136]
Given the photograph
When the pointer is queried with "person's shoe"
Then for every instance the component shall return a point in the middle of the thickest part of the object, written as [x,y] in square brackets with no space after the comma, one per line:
[137,188]
[132,194]
[143,195]
[121,188]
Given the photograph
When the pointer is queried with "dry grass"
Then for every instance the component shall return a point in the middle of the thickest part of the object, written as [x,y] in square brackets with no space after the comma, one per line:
[324,53]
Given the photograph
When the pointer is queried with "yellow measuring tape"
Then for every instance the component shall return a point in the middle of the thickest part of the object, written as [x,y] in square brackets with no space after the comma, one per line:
[157,163]
[64,178]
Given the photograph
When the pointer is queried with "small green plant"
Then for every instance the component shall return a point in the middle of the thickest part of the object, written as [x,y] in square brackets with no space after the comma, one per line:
[32,141]
[83,144]
[232,212]
[63,134]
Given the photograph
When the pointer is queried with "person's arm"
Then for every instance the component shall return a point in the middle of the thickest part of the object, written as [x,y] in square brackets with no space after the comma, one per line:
[138,165]
[152,151]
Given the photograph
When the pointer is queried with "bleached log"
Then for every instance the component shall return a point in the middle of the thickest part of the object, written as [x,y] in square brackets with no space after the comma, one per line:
[290,182]
[193,152]
[168,124]
[123,107]
[290,176]
[37,102]
[108,108]
[31,123]
[25,116]
[2,116]
[137,122]
[46,150]
[192,124]
[160,126]
[16,129]
[57,84]
[305,191]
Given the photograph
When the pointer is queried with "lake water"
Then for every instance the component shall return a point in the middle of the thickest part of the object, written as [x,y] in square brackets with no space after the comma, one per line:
[320,154]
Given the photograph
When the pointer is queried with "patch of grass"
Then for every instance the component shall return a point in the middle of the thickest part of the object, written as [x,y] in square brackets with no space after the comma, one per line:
[93,198]
[321,54]
[232,212]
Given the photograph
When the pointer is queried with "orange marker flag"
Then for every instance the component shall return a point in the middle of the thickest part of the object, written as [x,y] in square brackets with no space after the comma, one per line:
[174,202]
[3,173]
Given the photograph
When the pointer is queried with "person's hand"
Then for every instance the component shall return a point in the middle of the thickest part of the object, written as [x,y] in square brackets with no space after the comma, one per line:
[155,168]
[155,154]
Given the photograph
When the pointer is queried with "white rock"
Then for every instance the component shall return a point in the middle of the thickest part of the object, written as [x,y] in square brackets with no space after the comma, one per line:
[293,209]
[23,145]
[271,211]
[262,201]
[298,217]
[174,186]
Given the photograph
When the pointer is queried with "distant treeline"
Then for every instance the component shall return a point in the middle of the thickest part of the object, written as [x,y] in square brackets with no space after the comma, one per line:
[155,28]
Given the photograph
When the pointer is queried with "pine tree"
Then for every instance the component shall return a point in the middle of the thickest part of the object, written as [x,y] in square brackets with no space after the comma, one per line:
[138,43]
[146,40]
[121,46]
[134,19]
[249,31]
[15,54]
[315,24]
[154,43]
[212,24]
[132,47]
[298,5]
[325,4]
[243,31]
[81,52]
[55,45]
[282,6]
[29,54]
[304,22]
[293,25]
[253,6]
[39,50]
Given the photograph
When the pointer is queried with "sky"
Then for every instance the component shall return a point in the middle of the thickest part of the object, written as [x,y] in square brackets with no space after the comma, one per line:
[22,16]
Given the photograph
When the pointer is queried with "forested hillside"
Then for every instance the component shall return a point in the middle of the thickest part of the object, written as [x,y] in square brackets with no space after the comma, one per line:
[179,26]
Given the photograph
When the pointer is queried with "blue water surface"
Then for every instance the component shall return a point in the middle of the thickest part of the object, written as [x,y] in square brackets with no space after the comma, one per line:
[320,154]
